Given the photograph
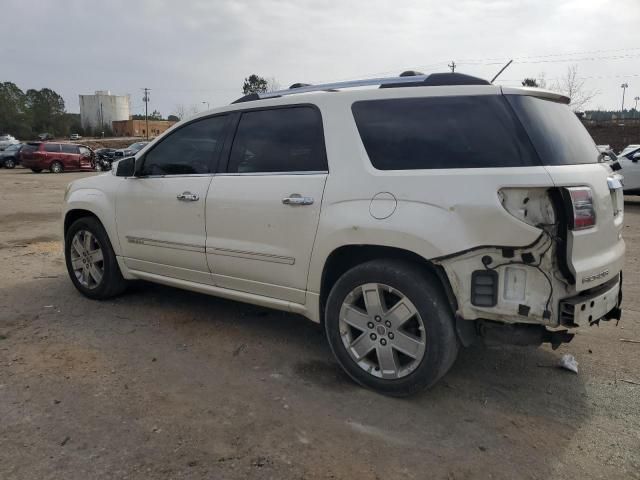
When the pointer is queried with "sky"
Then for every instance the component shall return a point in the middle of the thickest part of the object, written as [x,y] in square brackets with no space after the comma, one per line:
[194,52]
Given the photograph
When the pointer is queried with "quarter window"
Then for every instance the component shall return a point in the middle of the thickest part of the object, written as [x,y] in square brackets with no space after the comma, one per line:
[443,132]
[279,140]
[189,150]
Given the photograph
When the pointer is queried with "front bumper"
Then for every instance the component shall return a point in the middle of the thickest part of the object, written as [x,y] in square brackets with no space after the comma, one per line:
[600,303]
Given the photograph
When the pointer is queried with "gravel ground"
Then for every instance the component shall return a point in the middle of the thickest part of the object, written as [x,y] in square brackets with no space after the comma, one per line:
[165,384]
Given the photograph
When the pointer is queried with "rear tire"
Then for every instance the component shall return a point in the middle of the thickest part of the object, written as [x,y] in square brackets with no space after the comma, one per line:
[91,261]
[56,167]
[36,170]
[10,163]
[400,347]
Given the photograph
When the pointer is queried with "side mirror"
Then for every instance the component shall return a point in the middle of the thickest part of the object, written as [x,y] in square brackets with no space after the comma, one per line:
[126,167]
[635,157]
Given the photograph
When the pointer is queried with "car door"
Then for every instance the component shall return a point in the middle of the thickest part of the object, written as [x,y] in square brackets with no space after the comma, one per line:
[70,156]
[50,153]
[160,213]
[630,171]
[263,209]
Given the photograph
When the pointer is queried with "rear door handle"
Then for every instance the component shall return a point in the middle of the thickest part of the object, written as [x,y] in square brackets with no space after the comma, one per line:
[297,199]
[188,197]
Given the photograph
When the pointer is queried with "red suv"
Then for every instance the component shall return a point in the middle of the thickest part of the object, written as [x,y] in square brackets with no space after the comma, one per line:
[56,157]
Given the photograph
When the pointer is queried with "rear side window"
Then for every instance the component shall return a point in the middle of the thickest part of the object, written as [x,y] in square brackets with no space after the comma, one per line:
[29,148]
[51,147]
[279,140]
[557,134]
[68,148]
[442,132]
[188,150]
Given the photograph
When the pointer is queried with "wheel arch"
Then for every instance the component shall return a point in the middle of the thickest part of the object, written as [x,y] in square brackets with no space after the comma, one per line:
[92,203]
[347,257]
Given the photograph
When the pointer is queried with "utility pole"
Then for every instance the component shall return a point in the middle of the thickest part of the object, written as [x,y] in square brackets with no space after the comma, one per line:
[101,118]
[624,87]
[145,99]
[207,104]
[636,107]
[452,66]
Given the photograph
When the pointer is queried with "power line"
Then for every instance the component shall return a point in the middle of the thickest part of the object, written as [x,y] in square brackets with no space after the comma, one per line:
[566,54]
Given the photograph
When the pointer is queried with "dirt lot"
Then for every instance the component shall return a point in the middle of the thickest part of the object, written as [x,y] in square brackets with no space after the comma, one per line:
[165,384]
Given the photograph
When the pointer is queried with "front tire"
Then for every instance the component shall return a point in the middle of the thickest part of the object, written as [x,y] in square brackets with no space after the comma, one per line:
[91,261]
[10,163]
[390,327]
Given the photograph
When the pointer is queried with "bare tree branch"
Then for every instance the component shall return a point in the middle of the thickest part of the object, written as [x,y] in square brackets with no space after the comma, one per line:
[573,87]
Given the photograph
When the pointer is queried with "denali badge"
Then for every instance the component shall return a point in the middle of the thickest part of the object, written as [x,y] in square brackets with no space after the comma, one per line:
[595,276]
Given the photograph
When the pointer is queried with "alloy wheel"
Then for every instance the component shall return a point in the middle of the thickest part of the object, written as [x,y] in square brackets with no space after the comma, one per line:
[382,331]
[87,259]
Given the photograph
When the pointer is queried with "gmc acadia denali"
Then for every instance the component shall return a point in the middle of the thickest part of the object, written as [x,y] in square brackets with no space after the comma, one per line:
[409,218]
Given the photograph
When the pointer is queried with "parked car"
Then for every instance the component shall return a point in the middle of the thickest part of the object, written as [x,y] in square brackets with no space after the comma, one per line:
[74,136]
[627,149]
[10,156]
[410,220]
[104,158]
[7,140]
[629,161]
[56,157]
[45,136]
[130,150]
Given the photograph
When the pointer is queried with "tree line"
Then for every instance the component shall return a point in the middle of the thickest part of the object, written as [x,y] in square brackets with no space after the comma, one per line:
[26,114]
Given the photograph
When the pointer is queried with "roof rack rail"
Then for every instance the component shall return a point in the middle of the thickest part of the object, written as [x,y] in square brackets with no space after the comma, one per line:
[406,79]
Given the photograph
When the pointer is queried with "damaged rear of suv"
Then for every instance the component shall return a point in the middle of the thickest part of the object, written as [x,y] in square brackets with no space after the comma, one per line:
[504,193]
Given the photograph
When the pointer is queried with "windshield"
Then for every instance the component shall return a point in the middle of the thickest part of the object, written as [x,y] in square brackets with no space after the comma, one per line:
[556,132]
[137,146]
[628,149]
[11,148]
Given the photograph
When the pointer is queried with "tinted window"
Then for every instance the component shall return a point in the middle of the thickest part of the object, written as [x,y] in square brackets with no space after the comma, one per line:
[556,132]
[51,147]
[68,148]
[189,150]
[442,132]
[279,140]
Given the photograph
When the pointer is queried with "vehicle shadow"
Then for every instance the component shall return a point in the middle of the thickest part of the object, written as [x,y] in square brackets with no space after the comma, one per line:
[506,412]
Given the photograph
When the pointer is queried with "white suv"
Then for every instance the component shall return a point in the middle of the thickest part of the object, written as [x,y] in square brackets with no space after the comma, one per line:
[408,219]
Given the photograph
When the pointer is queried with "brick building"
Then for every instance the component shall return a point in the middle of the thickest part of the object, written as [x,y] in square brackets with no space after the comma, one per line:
[138,128]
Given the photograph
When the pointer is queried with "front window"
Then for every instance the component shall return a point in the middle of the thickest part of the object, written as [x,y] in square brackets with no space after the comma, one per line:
[188,150]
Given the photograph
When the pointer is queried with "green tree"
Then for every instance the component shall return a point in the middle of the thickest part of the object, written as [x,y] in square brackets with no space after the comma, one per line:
[14,115]
[46,109]
[530,82]
[155,115]
[173,118]
[254,84]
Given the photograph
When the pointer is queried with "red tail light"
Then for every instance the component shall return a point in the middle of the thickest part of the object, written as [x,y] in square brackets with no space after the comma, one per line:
[584,213]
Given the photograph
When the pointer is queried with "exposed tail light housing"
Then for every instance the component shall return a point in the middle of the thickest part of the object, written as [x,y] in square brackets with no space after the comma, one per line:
[584,212]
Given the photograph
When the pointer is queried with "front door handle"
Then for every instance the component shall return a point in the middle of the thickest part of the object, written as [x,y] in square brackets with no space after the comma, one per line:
[188,197]
[297,199]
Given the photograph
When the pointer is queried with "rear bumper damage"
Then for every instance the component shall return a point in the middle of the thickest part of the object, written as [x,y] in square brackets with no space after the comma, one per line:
[525,300]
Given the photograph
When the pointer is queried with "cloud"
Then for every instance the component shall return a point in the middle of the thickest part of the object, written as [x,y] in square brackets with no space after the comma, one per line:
[193,51]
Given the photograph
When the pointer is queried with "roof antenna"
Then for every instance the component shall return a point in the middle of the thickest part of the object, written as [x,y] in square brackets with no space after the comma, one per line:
[501,70]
